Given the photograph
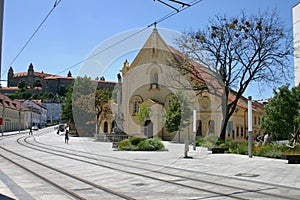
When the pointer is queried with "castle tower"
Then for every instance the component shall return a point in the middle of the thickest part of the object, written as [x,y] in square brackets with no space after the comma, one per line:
[30,74]
[9,76]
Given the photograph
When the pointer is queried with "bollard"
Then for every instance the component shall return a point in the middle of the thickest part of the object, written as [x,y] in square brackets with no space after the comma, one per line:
[186,148]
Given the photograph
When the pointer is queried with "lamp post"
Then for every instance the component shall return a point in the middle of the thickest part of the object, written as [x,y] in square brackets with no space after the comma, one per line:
[1,30]
[250,126]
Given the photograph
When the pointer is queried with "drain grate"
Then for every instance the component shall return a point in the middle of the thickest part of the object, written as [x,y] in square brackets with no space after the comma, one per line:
[138,184]
[247,175]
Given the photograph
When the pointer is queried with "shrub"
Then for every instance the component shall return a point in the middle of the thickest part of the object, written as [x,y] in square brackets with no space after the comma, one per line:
[152,144]
[136,140]
[141,144]
[295,150]
[122,144]
[270,150]
[211,139]
[238,147]
[199,141]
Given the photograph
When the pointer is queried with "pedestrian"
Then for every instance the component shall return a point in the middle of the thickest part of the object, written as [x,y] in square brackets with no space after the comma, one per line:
[30,131]
[67,135]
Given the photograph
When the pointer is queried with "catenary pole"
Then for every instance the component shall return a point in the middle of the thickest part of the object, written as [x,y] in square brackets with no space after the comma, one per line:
[250,126]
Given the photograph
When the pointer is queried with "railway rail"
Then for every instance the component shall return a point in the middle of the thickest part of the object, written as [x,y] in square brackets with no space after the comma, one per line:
[201,184]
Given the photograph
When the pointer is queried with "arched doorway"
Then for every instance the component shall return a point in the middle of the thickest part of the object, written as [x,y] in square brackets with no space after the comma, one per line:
[148,129]
[105,128]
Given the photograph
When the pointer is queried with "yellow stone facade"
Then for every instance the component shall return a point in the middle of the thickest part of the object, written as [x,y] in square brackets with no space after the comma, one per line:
[152,78]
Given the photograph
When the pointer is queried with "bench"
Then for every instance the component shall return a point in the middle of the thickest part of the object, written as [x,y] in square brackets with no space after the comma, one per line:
[292,158]
[218,149]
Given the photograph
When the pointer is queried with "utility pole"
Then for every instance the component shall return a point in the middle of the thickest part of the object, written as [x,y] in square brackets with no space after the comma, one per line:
[250,126]
[20,117]
[1,33]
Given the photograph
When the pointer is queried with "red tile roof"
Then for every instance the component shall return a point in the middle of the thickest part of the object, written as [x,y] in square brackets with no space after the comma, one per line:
[39,74]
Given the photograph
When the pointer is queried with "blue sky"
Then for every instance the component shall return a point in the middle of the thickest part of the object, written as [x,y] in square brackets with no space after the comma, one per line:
[76,28]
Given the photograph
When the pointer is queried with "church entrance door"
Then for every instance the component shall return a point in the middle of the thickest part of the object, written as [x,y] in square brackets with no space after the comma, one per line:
[148,129]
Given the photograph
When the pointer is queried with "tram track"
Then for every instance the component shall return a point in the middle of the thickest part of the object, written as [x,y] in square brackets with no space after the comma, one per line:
[58,173]
[234,195]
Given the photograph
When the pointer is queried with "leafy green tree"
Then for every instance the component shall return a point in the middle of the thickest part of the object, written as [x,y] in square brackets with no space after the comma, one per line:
[173,116]
[236,51]
[67,113]
[282,113]
[37,83]
[22,84]
[102,96]
[178,114]
[143,114]
[62,90]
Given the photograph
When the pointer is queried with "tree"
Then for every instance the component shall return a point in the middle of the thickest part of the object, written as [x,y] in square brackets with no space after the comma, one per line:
[37,83]
[235,51]
[282,113]
[102,96]
[62,90]
[22,84]
[143,114]
[67,113]
[178,114]
[173,116]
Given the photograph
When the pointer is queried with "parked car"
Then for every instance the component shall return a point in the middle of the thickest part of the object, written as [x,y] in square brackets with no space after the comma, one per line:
[35,128]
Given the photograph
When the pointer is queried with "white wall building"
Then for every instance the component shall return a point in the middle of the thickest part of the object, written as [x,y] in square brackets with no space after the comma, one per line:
[36,114]
[296,27]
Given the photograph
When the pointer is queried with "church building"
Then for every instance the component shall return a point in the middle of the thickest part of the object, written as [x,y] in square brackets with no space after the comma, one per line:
[152,79]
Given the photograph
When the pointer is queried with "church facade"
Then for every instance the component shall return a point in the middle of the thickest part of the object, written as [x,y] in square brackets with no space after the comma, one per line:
[153,79]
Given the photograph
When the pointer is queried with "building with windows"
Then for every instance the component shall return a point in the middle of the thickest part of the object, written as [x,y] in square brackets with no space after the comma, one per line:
[153,79]
[296,28]
[12,114]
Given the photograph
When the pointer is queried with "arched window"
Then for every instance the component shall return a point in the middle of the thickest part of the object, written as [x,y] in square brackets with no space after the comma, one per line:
[199,128]
[153,79]
[136,101]
[105,127]
[136,105]
[211,126]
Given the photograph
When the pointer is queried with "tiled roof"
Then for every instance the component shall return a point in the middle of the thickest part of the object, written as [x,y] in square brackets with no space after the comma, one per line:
[39,74]
[8,103]
[202,74]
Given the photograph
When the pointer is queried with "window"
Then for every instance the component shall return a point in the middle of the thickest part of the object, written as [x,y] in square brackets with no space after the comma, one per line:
[154,79]
[136,106]
[242,131]
[136,101]
[255,120]
[237,132]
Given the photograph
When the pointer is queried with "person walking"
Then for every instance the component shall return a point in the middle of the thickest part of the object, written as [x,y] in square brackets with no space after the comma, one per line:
[67,135]
[30,131]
